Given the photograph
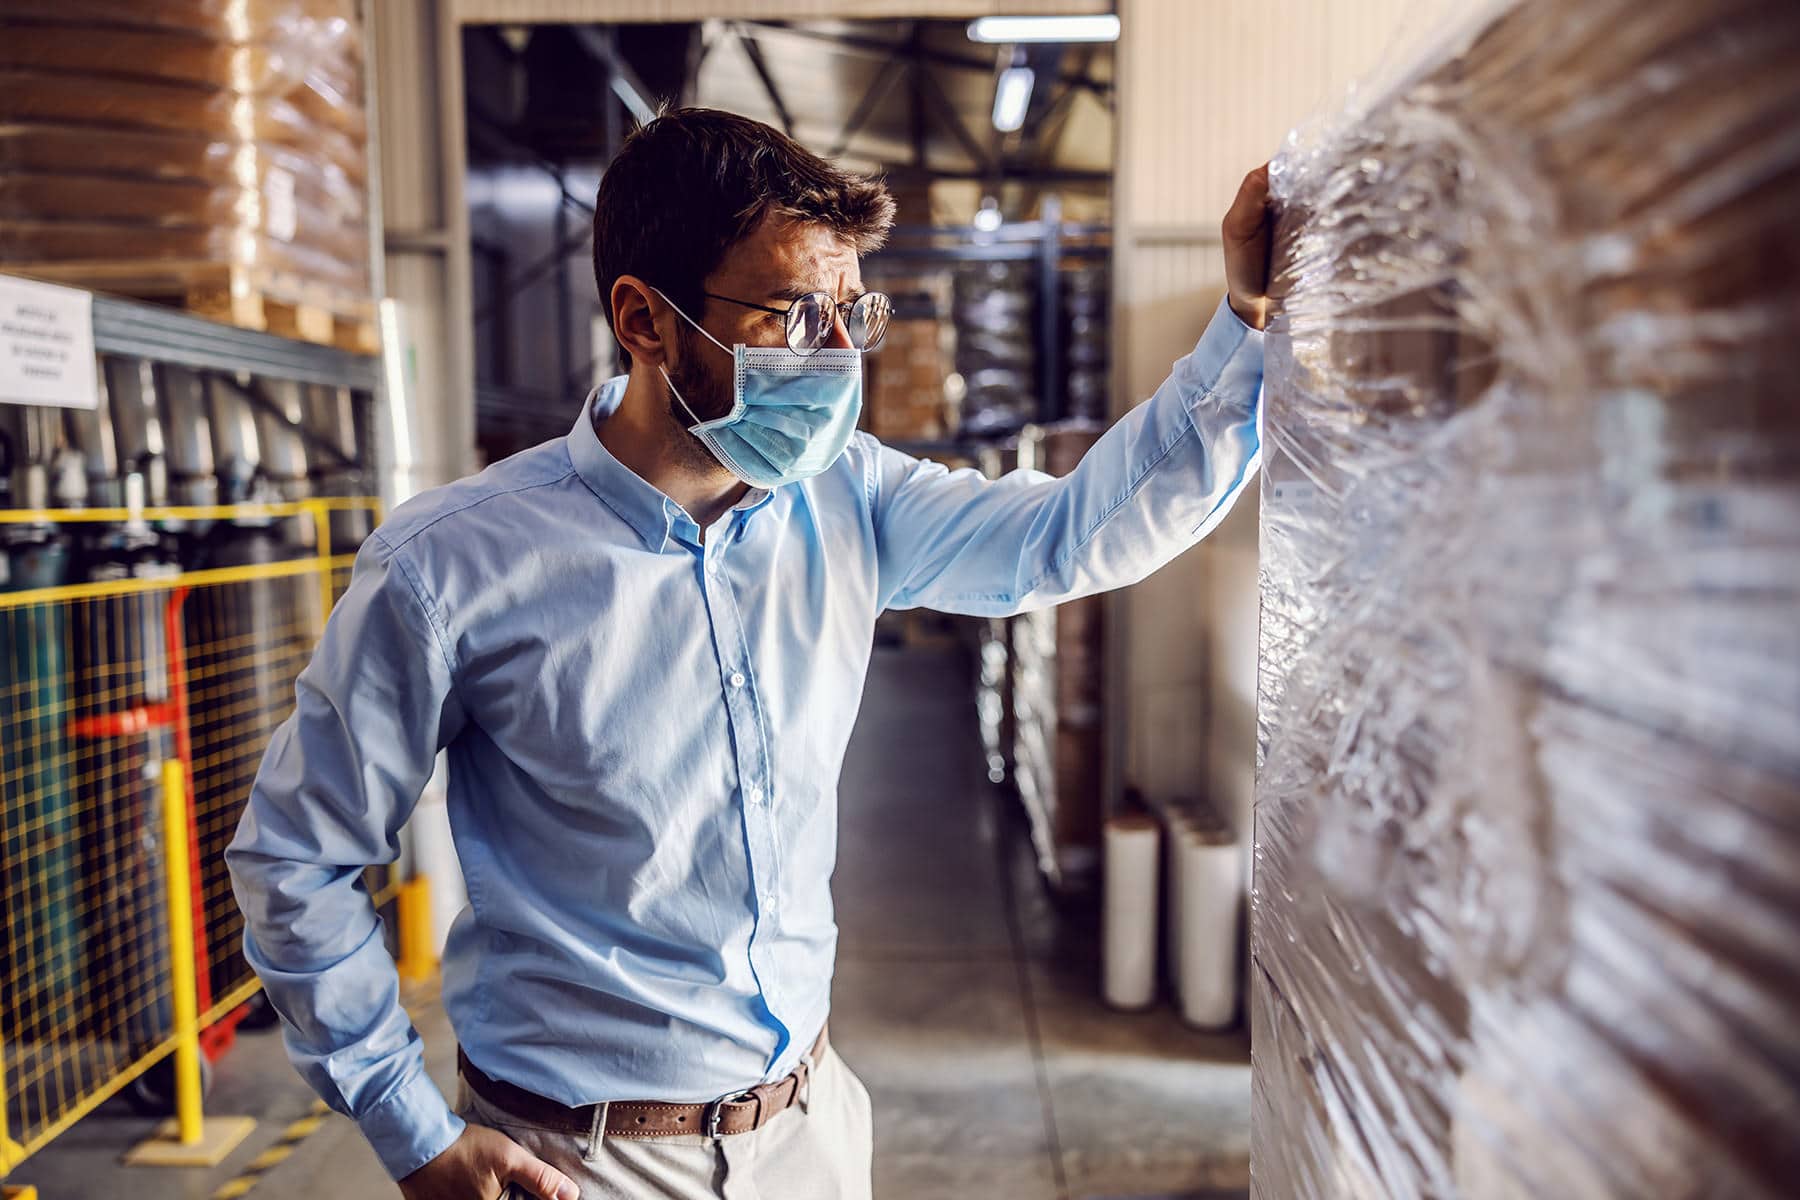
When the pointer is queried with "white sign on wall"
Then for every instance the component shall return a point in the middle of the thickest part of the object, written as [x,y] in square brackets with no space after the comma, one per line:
[46,345]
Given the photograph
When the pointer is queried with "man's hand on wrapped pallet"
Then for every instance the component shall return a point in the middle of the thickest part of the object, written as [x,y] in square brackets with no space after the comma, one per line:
[1246,231]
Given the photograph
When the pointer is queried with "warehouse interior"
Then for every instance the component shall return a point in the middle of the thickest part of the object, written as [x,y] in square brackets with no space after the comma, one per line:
[1428,825]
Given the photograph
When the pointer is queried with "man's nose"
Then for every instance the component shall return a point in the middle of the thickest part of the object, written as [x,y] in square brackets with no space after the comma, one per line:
[840,332]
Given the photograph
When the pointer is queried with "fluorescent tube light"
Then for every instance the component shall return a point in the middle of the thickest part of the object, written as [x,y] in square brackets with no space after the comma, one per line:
[1098,28]
[1012,96]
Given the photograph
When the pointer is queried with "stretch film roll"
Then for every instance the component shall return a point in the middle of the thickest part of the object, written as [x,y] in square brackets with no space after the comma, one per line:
[1128,947]
[1207,898]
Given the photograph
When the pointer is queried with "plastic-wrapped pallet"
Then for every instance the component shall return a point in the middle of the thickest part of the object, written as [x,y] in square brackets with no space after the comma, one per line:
[1527,865]
[209,152]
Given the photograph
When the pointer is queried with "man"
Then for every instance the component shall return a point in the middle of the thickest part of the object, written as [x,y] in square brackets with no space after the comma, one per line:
[643,646]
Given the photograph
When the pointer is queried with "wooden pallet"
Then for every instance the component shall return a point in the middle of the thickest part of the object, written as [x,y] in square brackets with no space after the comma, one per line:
[308,314]
[247,297]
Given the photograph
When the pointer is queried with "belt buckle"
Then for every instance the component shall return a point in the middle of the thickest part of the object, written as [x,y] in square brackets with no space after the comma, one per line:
[710,1118]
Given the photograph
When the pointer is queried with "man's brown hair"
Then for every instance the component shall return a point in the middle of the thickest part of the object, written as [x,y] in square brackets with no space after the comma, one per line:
[692,183]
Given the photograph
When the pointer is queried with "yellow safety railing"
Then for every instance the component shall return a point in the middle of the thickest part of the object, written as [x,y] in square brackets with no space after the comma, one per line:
[136,698]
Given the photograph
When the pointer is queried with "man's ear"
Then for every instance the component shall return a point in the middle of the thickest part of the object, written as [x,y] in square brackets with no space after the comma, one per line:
[636,308]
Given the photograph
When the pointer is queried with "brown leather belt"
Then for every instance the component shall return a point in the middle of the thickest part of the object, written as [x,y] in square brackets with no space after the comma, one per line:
[648,1118]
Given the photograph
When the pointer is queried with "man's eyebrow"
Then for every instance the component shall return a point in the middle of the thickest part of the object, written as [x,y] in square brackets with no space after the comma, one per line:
[796,290]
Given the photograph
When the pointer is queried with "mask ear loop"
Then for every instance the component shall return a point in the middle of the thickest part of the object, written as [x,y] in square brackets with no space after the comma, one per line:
[709,337]
[673,390]
[679,399]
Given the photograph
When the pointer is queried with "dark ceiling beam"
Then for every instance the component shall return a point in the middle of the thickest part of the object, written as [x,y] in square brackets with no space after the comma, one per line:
[952,120]
[883,49]
[621,78]
[878,89]
[1048,134]
[488,130]
[753,51]
[711,33]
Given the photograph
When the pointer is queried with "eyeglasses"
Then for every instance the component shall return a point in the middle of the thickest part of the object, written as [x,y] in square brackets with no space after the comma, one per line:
[810,318]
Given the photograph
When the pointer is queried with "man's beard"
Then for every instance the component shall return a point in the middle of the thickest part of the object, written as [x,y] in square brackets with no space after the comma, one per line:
[705,395]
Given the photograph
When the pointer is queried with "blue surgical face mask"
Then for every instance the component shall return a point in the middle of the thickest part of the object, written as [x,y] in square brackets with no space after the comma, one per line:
[791,414]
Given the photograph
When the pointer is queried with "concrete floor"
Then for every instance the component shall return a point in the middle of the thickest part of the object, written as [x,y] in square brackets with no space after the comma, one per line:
[963,998]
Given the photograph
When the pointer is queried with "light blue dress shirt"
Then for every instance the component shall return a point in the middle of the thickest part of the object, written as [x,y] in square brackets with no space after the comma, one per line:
[645,734]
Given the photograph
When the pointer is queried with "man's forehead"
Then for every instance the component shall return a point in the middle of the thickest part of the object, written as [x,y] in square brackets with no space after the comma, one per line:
[780,252]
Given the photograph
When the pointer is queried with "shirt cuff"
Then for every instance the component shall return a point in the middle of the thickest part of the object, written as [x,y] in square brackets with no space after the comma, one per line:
[411,1127]
[1226,365]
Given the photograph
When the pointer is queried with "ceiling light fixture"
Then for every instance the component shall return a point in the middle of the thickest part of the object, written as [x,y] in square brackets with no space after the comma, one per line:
[987,217]
[1098,28]
[1012,96]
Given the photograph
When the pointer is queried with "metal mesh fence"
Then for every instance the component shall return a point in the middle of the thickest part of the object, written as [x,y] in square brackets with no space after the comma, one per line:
[108,670]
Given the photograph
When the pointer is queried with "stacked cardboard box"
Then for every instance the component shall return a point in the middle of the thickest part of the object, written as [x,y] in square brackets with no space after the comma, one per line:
[210,153]
[1527,894]
[906,382]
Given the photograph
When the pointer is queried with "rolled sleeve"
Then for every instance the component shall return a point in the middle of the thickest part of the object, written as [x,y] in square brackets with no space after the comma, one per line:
[339,779]
[411,1127]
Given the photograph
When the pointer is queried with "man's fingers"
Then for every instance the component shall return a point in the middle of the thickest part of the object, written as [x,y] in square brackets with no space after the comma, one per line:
[1246,235]
[538,1177]
[1245,219]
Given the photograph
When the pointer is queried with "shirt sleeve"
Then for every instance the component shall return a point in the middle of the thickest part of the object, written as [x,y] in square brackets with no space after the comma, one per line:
[339,779]
[1153,485]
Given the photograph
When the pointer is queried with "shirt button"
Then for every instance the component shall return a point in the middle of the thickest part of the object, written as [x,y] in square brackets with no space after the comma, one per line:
[713,568]
[756,794]
[768,899]
[737,679]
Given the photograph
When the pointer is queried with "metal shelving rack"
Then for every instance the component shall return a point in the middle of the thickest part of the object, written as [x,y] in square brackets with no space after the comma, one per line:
[146,638]
[132,329]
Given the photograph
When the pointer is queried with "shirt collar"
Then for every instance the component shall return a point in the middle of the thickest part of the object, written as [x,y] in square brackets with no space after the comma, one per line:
[650,514]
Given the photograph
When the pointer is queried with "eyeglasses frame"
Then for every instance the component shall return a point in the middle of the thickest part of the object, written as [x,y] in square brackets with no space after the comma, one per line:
[844,308]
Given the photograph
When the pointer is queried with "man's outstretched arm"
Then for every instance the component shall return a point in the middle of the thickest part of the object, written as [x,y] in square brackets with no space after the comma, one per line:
[1154,484]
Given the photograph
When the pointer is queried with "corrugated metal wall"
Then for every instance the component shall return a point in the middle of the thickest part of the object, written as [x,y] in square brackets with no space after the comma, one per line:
[526,12]
[1207,90]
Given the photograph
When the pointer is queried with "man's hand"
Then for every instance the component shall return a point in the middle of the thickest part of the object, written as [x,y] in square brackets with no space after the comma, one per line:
[1246,231]
[478,1166]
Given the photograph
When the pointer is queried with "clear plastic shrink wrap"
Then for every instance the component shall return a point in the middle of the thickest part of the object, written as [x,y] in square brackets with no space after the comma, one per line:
[159,146]
[1527,870]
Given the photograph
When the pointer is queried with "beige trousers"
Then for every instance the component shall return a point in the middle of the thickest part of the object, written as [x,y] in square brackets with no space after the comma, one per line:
[818,1149]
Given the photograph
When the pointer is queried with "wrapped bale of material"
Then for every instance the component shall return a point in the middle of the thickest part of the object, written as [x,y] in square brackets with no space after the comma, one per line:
[214,154]
[996,346]
[1527,884]
[1087,340]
